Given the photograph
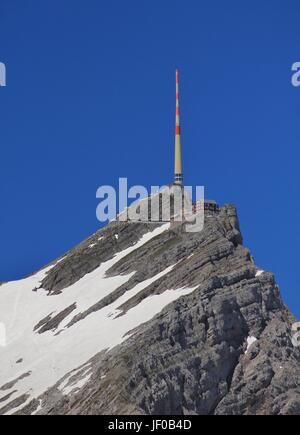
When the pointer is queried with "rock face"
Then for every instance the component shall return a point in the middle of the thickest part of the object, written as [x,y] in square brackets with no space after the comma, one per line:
[223,347]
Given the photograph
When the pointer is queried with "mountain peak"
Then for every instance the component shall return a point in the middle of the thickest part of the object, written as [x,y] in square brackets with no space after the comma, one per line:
[180,323]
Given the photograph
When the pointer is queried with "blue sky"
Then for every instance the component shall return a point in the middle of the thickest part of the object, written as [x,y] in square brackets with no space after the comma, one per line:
[90,98]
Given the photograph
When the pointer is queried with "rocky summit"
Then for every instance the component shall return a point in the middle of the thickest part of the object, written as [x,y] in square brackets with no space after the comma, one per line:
[149,319]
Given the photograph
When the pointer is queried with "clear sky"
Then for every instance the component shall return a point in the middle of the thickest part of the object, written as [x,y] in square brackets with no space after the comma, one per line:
[90,98]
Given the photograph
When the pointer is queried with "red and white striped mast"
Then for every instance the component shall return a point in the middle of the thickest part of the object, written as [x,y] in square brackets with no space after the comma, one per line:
[178,154]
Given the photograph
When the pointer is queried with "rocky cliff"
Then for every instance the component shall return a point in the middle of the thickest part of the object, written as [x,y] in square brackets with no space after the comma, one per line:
[148,319]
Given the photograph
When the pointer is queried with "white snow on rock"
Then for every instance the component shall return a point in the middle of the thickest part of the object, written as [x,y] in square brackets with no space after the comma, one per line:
[50,357]
[250,341]
[39,408]
[73,383]
[77,385]
[259,272]
[92,245]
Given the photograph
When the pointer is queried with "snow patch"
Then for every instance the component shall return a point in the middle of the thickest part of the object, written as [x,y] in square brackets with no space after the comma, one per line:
[259,272]
[70,384]
[38,408]
[77,385]
[250,341]
[50,357]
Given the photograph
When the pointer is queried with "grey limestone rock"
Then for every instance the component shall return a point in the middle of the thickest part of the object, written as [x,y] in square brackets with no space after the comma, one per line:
[192,357]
